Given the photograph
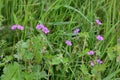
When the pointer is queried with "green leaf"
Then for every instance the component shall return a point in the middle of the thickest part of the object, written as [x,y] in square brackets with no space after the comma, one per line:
[101,67]
[98,68]
[24,45]
[110,53]
[55,61]
[28,76]
[65,60]
[84,69]
[109,77]
[2,64]
[38,57]
[40,75]
[43,74]
[12,72]
[37,73]
[8,58]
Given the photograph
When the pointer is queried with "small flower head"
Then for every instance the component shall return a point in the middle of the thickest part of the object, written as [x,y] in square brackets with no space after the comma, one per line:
[76,31]
[98,22]
[68,43]
[99,61]
[45,30]
[92,63]
[91,52]
[39,26]
[100,38]
[20,27]
[14,27]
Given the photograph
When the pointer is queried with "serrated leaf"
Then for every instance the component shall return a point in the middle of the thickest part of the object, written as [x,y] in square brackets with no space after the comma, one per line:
[110,53]
[102,67]
[28,56]
[65,60]
[28,76]
[43,74]
[39,75]
[11,72]
[8,58]
[36,70]
[84,69]
[98,68]
[38,57]
[55,61]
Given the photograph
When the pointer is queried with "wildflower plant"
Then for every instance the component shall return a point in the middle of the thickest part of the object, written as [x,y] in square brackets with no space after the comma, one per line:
[53,50]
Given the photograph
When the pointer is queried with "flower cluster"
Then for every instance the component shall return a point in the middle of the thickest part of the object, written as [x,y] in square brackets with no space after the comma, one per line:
[68,43]
[39,26]
[76,31]
[98,61]
[91,52]
[43,28]
[100,38]
[98,22]
[92,63]
[19,27]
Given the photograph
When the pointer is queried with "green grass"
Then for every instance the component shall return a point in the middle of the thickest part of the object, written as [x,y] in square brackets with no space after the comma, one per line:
[32,55]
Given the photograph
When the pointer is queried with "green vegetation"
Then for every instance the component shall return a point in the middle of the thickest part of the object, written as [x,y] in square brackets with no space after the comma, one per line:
[32,54]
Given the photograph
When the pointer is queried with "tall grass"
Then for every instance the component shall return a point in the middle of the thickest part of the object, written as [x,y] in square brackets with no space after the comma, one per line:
[32,55]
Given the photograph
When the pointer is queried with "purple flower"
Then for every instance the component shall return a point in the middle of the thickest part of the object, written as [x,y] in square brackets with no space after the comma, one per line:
[91,52]
[20,27]
[68,43]
[14,27]
[76,31]
[98,22]
[39,26]
[45,30]
[92,63]
[99,37]
[99,61]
